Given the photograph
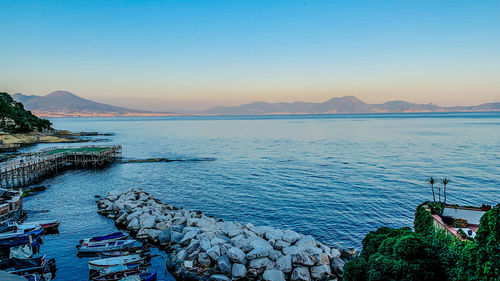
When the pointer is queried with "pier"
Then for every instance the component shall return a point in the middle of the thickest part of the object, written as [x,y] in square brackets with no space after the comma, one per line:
[50,161]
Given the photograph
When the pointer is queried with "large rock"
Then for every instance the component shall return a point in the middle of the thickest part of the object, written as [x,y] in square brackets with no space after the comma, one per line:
[320,271]
[217,241]
[258,253]
[300,274]
[188,237]
[176,237]
[274,234]
[306,241]
[337,264]
[204,259]
[236,255]
[193,246]
[230,229]
[133,215]
[290,236]
[241,242]
[205,244]
[214,253]
[261,248]
[284,263]
[152,233]
[163,225]
[259,263]
[177,228]
[224,264]
[274,254]
[164,237]
[273,275]
[335,253]
[292,250]
[238,271]
[134,225]
[280,245]
[147,220]
[302,258]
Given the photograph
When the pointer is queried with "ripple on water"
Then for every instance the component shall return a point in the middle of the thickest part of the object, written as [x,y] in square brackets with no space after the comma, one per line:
[333,178]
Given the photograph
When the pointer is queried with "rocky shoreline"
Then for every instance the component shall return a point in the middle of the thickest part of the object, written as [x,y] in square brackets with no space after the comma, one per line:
[201,247]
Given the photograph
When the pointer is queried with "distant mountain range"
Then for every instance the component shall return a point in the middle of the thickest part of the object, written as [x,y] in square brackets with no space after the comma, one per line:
[347,104]
[64,104]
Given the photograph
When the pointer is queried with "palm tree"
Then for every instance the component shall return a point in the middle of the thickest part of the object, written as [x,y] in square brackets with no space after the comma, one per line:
[431,182]
[445,181]
[439,193]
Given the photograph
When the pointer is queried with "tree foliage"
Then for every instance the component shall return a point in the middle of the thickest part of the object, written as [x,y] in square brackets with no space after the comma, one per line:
[428,254]
[423,221]
[15,119]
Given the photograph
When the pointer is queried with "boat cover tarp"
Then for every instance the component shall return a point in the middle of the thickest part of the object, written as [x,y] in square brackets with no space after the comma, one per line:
[107,237]
[21,252]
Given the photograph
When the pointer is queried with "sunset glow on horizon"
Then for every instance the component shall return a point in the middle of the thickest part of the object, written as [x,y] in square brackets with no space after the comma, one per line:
[166,55]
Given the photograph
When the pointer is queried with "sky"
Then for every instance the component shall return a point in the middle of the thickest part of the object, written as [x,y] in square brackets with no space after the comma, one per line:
[165,55]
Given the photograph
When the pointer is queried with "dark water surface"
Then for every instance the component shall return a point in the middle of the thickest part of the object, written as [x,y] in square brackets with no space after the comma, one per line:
[334,177]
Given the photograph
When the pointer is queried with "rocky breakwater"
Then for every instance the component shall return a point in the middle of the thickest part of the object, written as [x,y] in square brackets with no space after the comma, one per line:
[204,248]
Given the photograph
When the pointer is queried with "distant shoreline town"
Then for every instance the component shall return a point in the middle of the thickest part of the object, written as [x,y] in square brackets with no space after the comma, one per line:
[66,104]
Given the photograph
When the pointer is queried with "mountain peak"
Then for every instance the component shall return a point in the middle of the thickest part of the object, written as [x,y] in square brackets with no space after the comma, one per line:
[60,94]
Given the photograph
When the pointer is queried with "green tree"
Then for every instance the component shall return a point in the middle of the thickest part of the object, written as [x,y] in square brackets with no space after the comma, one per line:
[15,119]
[431,182]
[444,181]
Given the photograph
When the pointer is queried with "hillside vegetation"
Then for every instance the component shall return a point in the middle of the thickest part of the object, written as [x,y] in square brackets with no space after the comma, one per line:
[427,254]
[15,119]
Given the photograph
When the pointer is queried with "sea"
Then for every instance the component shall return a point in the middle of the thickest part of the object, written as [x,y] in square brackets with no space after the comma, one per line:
[335,177]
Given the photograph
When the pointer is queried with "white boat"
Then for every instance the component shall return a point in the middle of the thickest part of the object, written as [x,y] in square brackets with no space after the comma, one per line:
[103,264]
[95,247]
[15,229]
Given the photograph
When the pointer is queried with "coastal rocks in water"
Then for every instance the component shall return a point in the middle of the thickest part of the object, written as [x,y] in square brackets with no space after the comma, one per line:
[202,247]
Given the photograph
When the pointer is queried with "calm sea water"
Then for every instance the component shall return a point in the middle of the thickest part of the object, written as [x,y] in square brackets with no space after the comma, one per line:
[334,177]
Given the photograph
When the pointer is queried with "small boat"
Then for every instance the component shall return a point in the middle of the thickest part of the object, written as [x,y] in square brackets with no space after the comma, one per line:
[106,238]
[48,226]
[146,276]
[96,247]
[102,264]
[30,237]
[143,251]
[130,273]
[140,267]
[30,267]
[14,229]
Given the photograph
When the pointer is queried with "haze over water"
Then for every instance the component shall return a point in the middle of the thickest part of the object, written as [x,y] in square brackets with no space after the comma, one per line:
[335,177]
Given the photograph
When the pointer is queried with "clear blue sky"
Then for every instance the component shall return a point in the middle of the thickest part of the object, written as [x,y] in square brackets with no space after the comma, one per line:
[195,54]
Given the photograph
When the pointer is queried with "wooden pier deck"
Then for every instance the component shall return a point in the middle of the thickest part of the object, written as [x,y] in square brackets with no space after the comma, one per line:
[47,162]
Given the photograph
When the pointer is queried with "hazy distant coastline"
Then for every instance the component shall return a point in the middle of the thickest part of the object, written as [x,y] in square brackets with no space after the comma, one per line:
[66,104]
